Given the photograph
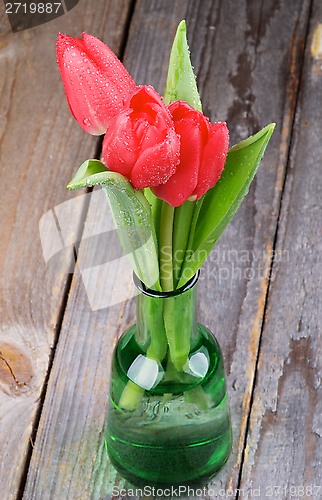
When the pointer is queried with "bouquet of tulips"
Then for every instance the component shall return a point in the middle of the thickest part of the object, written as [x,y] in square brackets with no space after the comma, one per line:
[171,182]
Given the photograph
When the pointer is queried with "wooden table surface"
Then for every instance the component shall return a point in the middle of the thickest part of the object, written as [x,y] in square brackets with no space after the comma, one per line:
[257,62]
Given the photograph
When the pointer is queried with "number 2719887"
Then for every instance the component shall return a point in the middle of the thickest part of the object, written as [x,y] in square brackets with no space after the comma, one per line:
[32,8]
[292,491]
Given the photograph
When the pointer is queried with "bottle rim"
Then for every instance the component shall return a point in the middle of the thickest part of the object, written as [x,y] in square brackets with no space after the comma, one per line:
[164,295]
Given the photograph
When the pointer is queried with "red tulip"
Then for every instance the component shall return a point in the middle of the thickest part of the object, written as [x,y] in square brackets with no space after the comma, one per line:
[141,142]
[96,82]
[203,151]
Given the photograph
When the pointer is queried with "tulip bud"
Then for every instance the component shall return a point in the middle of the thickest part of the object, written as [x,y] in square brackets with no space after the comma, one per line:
[203,151]
[141,142]
[95,81]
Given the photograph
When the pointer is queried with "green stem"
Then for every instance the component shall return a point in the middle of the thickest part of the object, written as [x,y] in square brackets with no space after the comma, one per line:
[178,338]
[185,274]
[181,229]
[156,206]
[153,310]
[165,247]
[179,314]
[197,396]
[131,396]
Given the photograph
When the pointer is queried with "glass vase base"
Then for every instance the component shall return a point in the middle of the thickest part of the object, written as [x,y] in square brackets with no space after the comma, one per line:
[180,432]
[174,467]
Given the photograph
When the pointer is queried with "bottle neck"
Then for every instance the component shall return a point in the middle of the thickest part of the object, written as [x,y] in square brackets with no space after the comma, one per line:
[167,323]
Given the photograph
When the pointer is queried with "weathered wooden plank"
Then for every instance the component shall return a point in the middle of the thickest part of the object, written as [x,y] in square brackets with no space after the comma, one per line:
[284,446]
[69,459]
[36,132]
[247,57]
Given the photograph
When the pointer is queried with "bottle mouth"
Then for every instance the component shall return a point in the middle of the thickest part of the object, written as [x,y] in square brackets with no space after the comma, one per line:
[163,295]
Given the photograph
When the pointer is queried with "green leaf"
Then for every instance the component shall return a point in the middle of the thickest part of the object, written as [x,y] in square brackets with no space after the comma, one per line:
[223,200]
[132,218]
[181,82]
[85,171]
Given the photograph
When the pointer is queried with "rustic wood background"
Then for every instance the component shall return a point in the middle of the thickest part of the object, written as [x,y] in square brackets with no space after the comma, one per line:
[257,61]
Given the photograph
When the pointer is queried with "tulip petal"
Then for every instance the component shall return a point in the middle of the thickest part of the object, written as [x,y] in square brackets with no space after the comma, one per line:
[120,146]
[213,158]
[163,122]
[182,183]
[151,136]
[108,62]
[147,103]
[156,164]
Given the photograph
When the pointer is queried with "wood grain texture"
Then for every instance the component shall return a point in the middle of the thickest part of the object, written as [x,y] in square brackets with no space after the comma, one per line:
[284,446]
[36,132]
[69,459]
[247,56]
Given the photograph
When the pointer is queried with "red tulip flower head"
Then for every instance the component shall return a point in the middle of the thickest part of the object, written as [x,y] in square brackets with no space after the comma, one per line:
[141,142]
[95,81]
[203,154]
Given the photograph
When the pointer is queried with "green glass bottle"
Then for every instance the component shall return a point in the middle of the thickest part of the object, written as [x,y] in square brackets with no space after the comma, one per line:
[168,417]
